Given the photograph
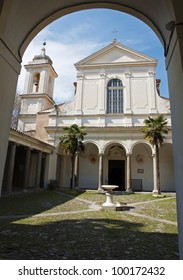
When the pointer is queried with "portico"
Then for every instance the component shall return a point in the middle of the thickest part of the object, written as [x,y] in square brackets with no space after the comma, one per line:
[27,163]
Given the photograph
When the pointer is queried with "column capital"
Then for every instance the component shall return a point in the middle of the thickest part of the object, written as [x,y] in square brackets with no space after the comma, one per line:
[80,76]
[100,154]
[128,74]
[128,154]
[152,73]
[103,75]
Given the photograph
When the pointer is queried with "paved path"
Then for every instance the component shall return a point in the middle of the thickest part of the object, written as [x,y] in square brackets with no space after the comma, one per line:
[133,213]
[151,218]
[95,207]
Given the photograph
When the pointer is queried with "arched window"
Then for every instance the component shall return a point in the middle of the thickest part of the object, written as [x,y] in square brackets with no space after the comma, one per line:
[36,79]
[115,96]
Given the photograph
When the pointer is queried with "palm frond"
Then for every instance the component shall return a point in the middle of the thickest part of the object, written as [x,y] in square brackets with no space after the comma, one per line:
[155,129]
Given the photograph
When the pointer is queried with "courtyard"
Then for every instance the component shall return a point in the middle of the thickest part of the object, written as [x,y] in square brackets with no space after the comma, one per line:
[71,224]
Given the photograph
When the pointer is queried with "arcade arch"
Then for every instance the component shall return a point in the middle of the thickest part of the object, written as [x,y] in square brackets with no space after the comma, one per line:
[115,165]
[142,166]
[89,166]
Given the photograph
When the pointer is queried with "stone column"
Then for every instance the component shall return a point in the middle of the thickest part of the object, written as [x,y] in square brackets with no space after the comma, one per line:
[38,169]
[155,190]
[128,175]
[100,180]
[11,163]
[27,169]
[76,170]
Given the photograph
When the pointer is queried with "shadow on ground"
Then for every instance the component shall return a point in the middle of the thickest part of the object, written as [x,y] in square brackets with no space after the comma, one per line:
[31,203]
[83,239]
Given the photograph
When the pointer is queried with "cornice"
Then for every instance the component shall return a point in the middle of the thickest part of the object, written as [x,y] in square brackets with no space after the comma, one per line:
[117,65]
[26,140]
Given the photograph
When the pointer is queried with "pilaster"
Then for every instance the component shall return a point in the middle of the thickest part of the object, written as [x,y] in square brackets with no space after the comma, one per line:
[102,95]
[79,93]
[127,94]
[152,92]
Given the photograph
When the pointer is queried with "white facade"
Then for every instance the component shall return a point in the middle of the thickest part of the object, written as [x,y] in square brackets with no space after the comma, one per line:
[116,90]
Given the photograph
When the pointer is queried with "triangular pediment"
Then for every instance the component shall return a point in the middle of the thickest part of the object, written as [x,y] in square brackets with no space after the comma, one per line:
[115,53]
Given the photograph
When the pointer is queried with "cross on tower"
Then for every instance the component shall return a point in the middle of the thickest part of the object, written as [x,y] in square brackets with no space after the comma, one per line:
[43,50]
[114,31]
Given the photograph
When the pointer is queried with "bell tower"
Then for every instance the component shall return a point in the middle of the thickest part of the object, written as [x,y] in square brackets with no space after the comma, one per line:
[38,90]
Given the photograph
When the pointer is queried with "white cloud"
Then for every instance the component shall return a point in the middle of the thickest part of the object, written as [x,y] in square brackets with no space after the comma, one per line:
[64,55]
[78,35]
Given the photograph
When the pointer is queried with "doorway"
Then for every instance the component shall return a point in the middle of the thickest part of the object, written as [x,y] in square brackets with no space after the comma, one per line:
[116,173]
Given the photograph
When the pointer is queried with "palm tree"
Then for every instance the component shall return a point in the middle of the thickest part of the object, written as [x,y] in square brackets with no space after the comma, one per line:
[154,131]
[72,143]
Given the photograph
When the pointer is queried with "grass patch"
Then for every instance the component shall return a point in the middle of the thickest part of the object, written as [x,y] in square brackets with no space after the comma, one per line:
[166,209]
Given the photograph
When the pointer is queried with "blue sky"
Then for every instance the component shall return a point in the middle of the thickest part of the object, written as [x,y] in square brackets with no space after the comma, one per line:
[77,35]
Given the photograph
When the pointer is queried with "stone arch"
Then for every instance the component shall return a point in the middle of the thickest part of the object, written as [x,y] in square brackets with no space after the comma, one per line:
[141,142]
[115,164]
[115,77]
[60,12]
[114,142]
[88,166]
[142,166]
[87,142]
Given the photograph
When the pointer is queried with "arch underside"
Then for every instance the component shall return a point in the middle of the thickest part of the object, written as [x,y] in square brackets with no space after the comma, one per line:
[144,13]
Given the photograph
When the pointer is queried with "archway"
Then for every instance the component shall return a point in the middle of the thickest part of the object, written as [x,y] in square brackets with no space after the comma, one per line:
[142,167]
[21,16]
[115,165]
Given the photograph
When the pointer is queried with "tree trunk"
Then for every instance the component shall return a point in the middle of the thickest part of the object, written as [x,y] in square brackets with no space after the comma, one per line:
[158,169]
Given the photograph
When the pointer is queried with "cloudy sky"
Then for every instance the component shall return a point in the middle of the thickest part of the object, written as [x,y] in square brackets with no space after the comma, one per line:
[75,36]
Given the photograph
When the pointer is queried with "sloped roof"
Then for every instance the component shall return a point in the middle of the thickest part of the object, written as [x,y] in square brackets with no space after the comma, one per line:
[115,54]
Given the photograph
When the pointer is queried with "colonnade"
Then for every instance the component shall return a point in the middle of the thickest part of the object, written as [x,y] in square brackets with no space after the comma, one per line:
[128,173]
[27,165]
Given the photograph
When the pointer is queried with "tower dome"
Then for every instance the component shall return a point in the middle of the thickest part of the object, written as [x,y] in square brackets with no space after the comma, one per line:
[42,57]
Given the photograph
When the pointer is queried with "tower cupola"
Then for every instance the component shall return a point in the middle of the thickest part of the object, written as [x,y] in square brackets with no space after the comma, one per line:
[40,75]
[38,90]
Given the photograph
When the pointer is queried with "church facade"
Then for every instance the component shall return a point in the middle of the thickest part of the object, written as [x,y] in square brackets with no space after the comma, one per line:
[116,90]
